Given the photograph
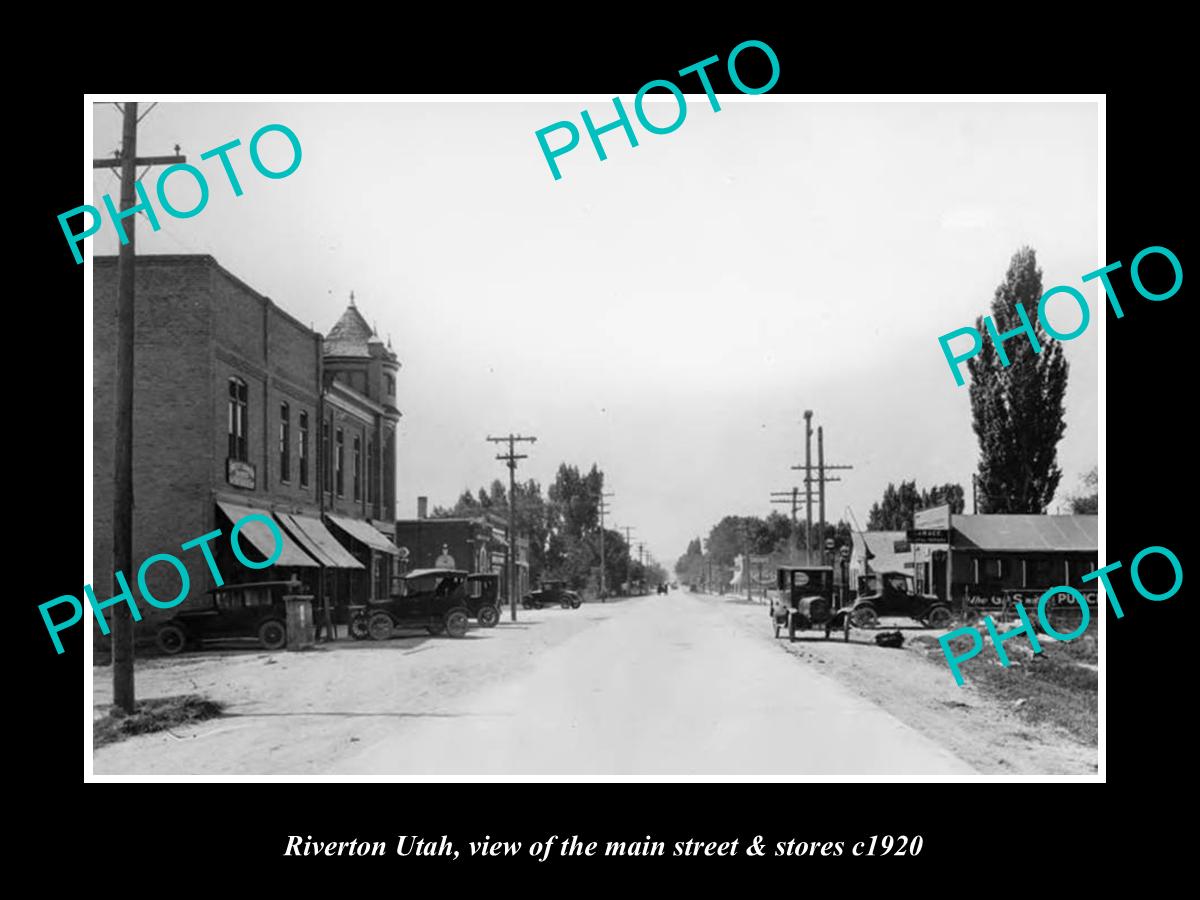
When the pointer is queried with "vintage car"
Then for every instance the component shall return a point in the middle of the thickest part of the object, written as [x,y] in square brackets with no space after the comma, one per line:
[233,612]
[663,588]
[550,593]
[483,598]
[804,600]
[894,594]
[433,599]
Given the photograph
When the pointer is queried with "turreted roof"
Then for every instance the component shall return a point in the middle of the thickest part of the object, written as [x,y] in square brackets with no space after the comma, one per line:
[351,335]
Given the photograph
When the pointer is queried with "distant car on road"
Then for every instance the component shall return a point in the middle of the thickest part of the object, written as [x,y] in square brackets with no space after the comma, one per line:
[663,588]
[551,593]
[433,599]
[233,612]
[894,594]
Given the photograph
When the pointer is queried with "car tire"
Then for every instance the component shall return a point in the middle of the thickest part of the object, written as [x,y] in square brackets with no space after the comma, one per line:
[272,635]
[171,639]
[436,628]
[380,626]
[864,617]
[457,623]
[938,617]
[576,603]
[358,628]
[489,616]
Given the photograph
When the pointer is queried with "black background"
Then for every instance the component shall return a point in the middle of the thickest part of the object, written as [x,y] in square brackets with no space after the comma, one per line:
[173,835]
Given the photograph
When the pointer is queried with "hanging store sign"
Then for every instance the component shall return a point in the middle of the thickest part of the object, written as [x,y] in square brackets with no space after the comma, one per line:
[240,474]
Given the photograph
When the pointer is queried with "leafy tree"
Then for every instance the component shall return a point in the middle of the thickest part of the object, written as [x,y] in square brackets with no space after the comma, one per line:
[1087,503]
[894,512]
[1017,410]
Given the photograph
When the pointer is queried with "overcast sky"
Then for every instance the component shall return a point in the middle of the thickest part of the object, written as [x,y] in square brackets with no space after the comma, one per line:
[668,313]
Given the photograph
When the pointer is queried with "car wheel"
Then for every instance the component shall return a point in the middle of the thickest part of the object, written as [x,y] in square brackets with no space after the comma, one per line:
[864,617]
[272,635]
[380,626]
[171,639]
[436,628]
[489,616]
[576,603]
[457,622]
[939,617]
[358,628]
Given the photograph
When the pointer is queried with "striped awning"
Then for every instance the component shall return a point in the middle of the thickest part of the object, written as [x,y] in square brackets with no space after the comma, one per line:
[363,532]
[319,541]
[263,537]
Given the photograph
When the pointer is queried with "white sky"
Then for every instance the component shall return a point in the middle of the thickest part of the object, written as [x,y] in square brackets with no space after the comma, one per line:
[668,313]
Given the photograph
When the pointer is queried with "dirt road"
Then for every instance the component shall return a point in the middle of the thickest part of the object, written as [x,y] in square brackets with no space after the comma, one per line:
[661,685]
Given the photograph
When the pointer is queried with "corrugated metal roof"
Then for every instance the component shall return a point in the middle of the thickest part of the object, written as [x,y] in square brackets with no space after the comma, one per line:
[1021,532]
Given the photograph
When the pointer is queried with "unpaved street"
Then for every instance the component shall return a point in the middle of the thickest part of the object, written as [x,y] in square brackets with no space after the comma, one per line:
[659,685]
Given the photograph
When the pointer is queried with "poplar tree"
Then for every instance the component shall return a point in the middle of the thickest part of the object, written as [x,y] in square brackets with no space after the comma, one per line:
[1017,410]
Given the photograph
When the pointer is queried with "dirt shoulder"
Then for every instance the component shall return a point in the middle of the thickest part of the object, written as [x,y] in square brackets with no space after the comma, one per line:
[296,713]
[1036,717]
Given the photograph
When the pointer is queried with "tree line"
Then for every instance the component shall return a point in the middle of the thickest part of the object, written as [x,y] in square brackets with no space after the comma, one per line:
[563,529]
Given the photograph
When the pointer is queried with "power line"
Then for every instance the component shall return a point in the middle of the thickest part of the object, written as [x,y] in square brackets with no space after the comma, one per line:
[122,533]
[511,458]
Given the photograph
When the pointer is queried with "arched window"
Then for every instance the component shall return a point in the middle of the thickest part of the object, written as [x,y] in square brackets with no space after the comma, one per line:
[237,418]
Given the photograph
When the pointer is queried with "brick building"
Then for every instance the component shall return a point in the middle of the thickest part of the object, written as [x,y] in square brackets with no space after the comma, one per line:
[239,407]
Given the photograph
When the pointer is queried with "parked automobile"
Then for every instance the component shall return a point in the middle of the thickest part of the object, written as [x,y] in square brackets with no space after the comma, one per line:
[233,612]
[894,594]
[483,598]
[663,588]
[551,593]
[804,600]
[433,599]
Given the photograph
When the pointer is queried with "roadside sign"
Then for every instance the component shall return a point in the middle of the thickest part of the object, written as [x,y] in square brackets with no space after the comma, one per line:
[929,535]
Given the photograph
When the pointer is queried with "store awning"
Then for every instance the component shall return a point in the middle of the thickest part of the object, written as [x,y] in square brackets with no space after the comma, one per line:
[318,541]
[361,531]
[260,535]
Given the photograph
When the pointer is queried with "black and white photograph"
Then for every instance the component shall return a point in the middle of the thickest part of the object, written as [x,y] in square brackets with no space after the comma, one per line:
[530,437]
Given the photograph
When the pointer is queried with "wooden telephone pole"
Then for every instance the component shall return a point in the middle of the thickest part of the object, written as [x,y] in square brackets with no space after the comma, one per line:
[122,526]
[821,479]
[511,458]
[603,509]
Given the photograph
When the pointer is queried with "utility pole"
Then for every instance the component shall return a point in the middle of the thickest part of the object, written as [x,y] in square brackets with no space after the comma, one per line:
[746,560]
[807,467]
[603,496]
[821,479]
[122,533]
[628,556]
[511,458]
